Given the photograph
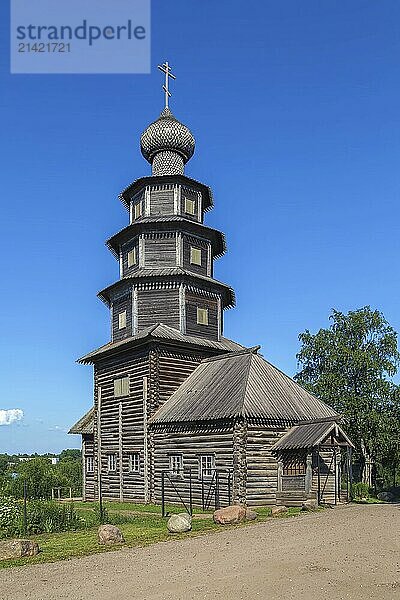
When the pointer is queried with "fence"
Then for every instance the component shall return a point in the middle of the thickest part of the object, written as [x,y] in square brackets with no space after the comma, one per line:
[190,489]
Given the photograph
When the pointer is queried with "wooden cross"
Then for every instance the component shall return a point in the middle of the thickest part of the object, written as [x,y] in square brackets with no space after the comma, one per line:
[166,68]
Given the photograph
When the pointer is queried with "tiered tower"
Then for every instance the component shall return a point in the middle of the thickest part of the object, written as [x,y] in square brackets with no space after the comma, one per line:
[166,253]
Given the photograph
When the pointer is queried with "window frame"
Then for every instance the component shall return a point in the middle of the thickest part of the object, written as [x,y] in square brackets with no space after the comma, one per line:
[204,311]
[131,253]
[112,462]
[134,462]
[124,384]
[294,465]
[192,203]
[89,460]
[122,320]
[206,472]
[196,252]
[137,210]
[176,460]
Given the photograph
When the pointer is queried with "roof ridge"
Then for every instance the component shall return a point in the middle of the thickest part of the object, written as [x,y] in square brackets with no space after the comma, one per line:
[252,350]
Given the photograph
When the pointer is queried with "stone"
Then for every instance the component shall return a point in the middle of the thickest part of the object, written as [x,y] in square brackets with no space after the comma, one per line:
[229,515]
[278,510]
[251,515]
[179,523]
[386,496]
[18,549]
[309,504]
[109,534]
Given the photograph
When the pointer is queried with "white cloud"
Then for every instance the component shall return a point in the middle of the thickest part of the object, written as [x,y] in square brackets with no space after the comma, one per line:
[7,417]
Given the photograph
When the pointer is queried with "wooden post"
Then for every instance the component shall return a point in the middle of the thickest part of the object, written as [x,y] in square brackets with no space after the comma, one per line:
[280,471]
[120,457]
[99,491]
[145,443]
[319,476]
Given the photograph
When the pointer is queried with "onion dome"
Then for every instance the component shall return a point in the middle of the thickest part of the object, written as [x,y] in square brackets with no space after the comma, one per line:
[167,145]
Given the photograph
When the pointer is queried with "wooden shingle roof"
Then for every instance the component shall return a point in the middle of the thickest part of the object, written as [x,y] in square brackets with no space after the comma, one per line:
[309,435]
[160,332]
[85,423]
[241,384]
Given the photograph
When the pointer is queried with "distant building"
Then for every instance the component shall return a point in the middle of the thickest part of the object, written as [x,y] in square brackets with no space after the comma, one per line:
[174,401]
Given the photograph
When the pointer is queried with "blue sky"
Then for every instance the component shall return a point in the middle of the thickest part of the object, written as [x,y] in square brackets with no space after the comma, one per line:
[295,110]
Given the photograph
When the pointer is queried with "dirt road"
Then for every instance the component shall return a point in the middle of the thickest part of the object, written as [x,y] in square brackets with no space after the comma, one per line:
[348,553]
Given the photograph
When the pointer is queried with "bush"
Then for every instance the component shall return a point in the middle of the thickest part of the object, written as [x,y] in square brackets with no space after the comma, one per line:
[359,491]
[43,516]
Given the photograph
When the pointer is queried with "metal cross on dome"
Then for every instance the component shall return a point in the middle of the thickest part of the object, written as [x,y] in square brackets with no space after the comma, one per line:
[166,68]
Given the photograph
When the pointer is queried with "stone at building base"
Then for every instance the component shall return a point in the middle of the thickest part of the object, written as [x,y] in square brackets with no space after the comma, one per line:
[278,510]
[109,534]
[179,523]
[310,504]
[251,514]
[18,549]
[229,515]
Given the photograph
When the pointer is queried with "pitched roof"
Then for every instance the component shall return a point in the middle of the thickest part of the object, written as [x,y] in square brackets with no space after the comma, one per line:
[240,384]
[85,423]
[308,435]
[159,331]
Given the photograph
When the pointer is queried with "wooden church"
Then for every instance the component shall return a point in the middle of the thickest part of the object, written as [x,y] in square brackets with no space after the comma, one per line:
[181,413]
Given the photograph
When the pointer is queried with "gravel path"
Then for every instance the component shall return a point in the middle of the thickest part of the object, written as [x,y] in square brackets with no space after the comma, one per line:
[349,553]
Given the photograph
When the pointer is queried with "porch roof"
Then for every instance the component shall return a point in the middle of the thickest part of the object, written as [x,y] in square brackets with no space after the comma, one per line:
[85,423]
[309,435]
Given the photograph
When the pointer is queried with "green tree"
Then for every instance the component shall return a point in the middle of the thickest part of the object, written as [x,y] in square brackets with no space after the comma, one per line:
[38,473]
[350,366]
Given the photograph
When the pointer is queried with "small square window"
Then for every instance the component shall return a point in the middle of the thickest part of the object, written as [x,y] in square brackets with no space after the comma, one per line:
[121,387]
[176,464]
[202,316]
[195,256]
[138,210]
[112,462]
[89,464]
[206,465]
[122,320]
[190,206]
[134,462]
[132,258]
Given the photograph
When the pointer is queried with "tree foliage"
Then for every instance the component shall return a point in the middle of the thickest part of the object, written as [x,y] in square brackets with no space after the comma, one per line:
[350,366]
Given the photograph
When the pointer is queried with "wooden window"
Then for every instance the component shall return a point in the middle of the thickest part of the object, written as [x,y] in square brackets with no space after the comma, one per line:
[121,387]
[176,464]
[195,256]
[122,320]
[206,465]
[202,316]
[112,462]
[294,465]
[132,259]
[134,462]
[89,464]
[190,206]
[137,210]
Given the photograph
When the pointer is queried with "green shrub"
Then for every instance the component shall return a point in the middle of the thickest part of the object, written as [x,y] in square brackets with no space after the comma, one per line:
[359,491]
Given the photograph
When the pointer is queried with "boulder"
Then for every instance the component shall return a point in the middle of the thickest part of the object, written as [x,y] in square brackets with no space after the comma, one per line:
[179,523]
[229,515]
[109,534]
[251,515]
[278,510]
[386,496]
[17,549]
[309,504]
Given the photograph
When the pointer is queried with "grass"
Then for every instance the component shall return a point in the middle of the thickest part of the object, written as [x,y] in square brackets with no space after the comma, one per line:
[141,530]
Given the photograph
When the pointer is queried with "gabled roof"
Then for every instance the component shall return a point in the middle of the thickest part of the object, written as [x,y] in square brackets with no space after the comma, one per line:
[309,435]
[158,332]
[228,294]
[240,384]
[168,223]
[85,423]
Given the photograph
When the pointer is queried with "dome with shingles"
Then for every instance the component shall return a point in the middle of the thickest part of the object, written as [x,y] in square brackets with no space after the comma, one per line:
[168,142]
